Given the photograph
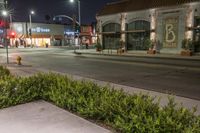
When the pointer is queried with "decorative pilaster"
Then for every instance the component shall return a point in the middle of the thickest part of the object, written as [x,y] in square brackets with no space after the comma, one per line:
[153,25]
[99,32]
[189,23]
[123,26]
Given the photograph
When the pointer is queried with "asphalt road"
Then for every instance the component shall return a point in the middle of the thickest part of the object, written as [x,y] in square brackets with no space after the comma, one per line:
[174,78]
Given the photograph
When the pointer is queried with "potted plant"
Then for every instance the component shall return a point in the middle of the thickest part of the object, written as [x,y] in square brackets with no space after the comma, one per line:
[98,47]
[187,47]
[151,45]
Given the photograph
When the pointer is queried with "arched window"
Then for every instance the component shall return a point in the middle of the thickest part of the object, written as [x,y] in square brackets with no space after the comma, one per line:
[111,27]
[139,25]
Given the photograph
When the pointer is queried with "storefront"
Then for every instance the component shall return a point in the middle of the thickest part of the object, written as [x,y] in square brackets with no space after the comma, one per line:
[40,36]
[167,23]
[86,35]
[197,34]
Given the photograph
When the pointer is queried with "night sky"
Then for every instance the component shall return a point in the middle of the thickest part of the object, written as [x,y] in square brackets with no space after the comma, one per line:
[20,9]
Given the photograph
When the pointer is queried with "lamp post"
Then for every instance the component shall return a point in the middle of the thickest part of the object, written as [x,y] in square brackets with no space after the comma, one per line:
[79,10]
[79,16]
[5,15]
[30,28]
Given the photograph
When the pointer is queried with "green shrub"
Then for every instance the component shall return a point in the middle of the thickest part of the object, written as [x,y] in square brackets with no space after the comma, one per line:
[124,112]
[4,72]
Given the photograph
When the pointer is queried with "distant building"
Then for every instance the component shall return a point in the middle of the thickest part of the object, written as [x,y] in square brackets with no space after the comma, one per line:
[44,34]
[167,22]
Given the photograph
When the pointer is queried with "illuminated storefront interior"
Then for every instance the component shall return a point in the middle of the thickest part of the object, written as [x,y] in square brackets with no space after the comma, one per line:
[42,35]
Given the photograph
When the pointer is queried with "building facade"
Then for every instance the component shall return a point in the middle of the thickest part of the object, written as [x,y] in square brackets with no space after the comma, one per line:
[43,34]
[40,35]
[166,22]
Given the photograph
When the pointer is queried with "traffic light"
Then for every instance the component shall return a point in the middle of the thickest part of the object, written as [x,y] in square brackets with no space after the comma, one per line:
[77,28]
[12,34]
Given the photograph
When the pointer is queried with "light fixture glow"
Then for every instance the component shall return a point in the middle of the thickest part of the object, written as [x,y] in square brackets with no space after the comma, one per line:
[32,12]
[4,13]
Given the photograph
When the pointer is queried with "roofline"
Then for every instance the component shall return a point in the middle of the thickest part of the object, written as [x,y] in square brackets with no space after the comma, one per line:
[143,9]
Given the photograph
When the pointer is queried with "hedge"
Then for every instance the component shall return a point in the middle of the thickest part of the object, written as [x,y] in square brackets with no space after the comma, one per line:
[126,113]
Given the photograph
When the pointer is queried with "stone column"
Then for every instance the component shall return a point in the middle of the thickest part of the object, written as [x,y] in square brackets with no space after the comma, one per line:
[153,25]
[99,32]
[189,23]
[123,27]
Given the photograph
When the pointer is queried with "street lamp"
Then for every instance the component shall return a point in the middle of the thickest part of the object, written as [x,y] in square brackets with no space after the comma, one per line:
[5,14]
[79,17]
[30,28]
[79,10]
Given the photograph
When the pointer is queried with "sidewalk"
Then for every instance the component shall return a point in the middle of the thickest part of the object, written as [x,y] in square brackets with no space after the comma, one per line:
[186,102]
[137,54]
[43,117]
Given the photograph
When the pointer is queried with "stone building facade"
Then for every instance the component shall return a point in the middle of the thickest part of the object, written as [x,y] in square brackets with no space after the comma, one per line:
[166,22]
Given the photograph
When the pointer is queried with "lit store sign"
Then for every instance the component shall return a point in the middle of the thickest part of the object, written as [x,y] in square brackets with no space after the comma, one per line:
[1,31]
[39,30]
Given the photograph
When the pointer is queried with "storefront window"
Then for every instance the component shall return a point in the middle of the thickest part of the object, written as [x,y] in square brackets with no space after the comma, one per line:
[112,37]
[197,34]
[139,25]
[138,33]
[112,27]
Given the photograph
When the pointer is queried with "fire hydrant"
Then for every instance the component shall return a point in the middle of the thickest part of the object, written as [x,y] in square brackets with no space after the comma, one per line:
[19,60]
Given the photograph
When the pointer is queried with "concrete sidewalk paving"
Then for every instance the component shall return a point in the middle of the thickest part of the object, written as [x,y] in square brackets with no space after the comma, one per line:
[137,54]
[43,117]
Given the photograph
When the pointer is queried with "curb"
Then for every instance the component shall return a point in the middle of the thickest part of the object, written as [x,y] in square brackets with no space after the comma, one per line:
[163,97]
[144,56]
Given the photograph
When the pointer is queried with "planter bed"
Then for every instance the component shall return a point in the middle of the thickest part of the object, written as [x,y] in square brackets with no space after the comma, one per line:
[124,112]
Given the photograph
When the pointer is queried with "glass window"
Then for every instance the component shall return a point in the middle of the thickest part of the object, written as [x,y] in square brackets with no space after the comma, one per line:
[139,25]
[112,27]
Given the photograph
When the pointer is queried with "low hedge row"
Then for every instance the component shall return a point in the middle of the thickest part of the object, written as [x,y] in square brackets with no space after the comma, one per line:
[124,112]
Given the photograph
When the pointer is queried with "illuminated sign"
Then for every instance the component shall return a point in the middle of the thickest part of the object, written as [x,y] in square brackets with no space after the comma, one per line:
[69,33]
[40,30]
[1,31]
[171,33]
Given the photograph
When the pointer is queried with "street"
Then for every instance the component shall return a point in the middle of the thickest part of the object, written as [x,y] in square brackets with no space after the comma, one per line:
[180,80]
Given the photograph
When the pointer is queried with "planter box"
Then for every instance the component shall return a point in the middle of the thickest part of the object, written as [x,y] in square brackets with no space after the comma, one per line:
[151,52]
[98,50]
[186,53]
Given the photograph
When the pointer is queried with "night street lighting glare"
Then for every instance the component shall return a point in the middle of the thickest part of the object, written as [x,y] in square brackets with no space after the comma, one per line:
[79,18]
[30,28]
[5,13]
